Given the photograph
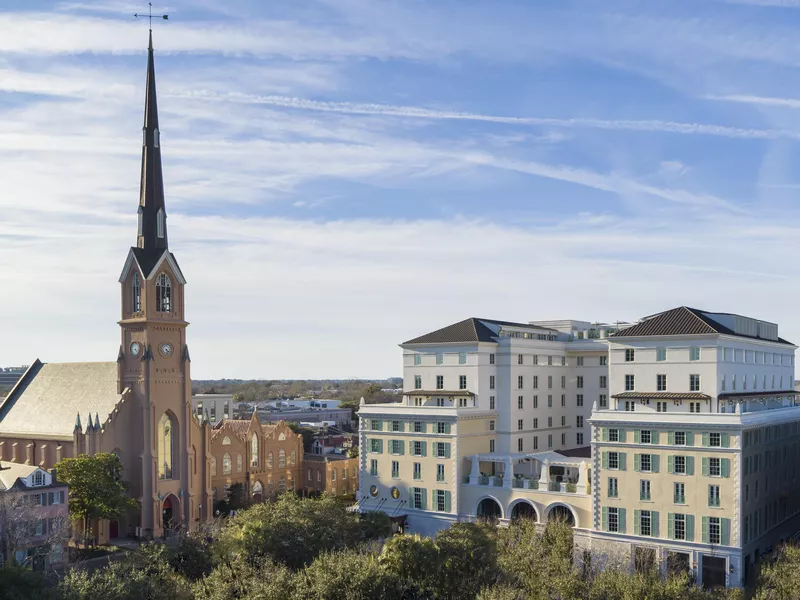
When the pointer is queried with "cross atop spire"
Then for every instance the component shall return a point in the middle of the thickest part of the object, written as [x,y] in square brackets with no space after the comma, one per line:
[152,234]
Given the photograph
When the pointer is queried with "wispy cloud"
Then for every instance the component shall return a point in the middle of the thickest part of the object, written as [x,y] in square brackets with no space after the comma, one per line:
[758,100]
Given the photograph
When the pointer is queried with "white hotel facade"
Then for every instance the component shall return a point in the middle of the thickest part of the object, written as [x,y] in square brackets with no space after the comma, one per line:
[671,439]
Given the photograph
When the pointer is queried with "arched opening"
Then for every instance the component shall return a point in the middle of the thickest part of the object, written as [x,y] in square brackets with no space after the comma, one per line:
[489,508]
[561,514]
[136,294]
[258,492]
[170,513]
[254,451]
[163,293]
[282,458]
[524,510]
[166,446]
[213,466]
[269,460]
[226,464]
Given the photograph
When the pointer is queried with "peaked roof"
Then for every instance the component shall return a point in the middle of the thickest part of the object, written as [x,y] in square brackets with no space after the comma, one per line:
[50,395]
[150,246]
[473,329]
[681,321]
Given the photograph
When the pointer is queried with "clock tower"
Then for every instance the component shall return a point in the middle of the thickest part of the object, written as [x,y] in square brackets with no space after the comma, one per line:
[168,474]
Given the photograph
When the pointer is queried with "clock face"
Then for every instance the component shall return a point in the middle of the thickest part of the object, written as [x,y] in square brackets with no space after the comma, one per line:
[135,348]
[166,349]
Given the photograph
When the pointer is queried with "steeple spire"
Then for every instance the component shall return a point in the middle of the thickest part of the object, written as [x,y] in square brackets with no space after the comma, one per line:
[152,235]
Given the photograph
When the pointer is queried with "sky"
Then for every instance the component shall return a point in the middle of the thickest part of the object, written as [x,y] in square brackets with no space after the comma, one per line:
[344,175]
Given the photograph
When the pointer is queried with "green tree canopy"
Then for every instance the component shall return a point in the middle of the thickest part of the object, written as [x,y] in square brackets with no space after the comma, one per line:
[96,487]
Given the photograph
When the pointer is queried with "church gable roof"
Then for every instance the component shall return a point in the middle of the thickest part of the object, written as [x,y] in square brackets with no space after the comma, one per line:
[50,395]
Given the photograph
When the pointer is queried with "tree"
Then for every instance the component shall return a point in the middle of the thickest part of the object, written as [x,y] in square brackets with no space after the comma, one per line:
[780,579]
[19,583]
[96,488]
[236,497]
[468,559]
[260,580]
[374,525]
[289,531]
[17,514]
[412,558]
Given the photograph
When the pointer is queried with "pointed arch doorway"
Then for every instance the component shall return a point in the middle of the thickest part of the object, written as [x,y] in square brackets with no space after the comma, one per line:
[170,514]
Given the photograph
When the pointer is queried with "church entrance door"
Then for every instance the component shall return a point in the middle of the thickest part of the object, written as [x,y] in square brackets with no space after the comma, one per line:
[168,513]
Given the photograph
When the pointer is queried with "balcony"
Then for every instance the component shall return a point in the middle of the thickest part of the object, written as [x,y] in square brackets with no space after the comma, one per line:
[548,472]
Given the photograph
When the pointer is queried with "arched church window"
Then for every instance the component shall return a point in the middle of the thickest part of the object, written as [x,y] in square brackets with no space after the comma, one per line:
[163,293]
[254,451]
[238,463]
[136,294]
[282,485]
[269,460]
[226,464]
[293,458]
[166,446]
[213,465]
[282,458]
[226,441]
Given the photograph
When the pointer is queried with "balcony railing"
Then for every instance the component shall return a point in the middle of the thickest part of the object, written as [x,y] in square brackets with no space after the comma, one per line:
[526,483]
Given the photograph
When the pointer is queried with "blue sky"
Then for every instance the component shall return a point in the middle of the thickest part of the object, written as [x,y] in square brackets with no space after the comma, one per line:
[342,175]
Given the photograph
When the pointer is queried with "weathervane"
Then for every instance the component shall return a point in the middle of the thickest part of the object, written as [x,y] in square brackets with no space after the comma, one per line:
[149,15]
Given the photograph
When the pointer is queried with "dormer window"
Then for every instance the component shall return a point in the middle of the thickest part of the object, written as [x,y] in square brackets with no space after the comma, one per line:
[136,294]
[38,479]
[160,222]
[163,293]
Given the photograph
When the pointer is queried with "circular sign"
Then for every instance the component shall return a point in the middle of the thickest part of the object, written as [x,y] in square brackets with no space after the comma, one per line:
[395,493]
[373,490]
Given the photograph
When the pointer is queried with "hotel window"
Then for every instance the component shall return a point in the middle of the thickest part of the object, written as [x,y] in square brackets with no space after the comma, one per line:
[563,382]
[442,428]
[462,382]
[519,445]
[441,501]
[613,460]
[563,420]
[440,382]
[580,361]
[417,382]
[418,448]
[519,359]
[440,473]
[535,359]
[395,469]
[375,425]
[661,354]
[733,382]
[491,402]
[645,436]
[579,400]
[579,422]
[714,530]
[679,493]
[630,405]
[373,467]
[550,441]
[396,446]
[418,427]
[491,382]
[722,383]
[439,358]
[417,359]
[661,383]
[536,382]
[462,358]
[755,381]
[629,383]
[579,439]
[549,400]
[418,498]
[417,471]
[520,382]
[613,519]
[679,465]
[519,425]
[536,442]
[550,382]
[644,489]
[645,523]
[563,439]
[613,435]
[397,426]
[442,450]
[536,402]
[520,402]
[603,361]
[563,399]
[715,440]
[694,407]
[661,407]
[491,445]
[603,382]
[646,463]
[563,361]
[714,467]
[603,401]
[535,423]
[549,421]
[550,360]
[713,495]
[694,353]
[613,487]
[629,355]
[579,382]
[491,359]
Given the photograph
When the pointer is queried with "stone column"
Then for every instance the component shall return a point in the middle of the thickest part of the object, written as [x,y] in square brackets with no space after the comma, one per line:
[583,477]
[544,477]
[508,477]
[475,473]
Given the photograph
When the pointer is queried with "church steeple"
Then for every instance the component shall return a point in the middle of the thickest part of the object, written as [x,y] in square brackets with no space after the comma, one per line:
[152,235]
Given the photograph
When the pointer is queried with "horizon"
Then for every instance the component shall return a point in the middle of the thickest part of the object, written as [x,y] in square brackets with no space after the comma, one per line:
[341,176]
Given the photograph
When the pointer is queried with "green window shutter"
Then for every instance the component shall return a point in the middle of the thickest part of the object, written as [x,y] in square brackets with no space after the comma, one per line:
[690,438]
[411,497]
[670,464]
[654,460]
[726,467]
[622,456]
[380,446]
[605,434]
[690,465]
[670,437]
[689,528]
[605,460]
[447,450]
[605,518]
[402,426]
[654,437]
[402,445]
[705,466]
[637,462]
[424,428]
[671,526]
[654,522]
[424,496]
[637,436]
[623,435]
[424,448]
[434,504]
[621,520]
[705,530]
[447,501]
[447,428]
[380,425]
[705,439]
[636,519]
[725,525]
[726,440]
